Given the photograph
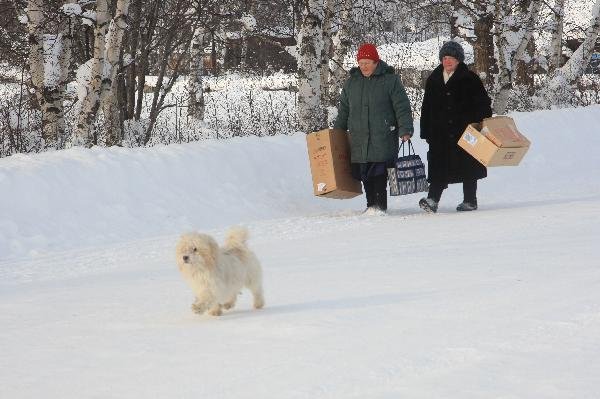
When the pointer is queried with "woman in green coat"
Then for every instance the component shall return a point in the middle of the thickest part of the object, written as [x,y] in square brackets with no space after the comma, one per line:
[376,112]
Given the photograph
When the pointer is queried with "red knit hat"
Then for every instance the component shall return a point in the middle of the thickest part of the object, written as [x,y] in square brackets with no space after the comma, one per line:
[368,51]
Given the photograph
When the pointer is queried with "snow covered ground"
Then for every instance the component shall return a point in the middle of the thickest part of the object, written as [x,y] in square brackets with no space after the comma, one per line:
[503,302]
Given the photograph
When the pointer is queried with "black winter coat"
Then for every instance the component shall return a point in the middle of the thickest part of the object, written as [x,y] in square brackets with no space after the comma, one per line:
[446,111]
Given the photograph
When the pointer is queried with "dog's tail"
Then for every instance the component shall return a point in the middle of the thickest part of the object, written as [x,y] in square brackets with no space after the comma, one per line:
[236,238]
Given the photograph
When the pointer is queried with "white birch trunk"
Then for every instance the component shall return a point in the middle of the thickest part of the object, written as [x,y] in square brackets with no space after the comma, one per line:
[511,45]
[248,26]
[310,111]
[108,91]
[195,89]
[557,32]
[35,18]
[50,55]
[576,65]
[341,44]
[327,46]
[83,134]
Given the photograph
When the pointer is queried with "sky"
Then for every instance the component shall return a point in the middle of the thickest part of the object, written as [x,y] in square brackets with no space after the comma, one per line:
[503,302]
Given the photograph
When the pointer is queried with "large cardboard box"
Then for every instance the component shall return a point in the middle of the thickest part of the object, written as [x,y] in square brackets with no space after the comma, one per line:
[329,155]
[495,142]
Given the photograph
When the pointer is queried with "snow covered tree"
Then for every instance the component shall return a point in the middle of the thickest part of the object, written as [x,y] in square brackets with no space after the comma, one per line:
[341,45]
[112,65]
[248,25]
[99,83]
[578,62]
[195,89]
[83,134]
[473,21]
[311,114]
[557,26]
[514,33]
[50,32]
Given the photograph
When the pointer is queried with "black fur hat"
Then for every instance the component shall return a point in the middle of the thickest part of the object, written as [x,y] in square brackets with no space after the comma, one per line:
[453,49]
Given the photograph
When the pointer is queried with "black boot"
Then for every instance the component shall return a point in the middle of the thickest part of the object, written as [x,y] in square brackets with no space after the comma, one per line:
[469,196]
[430,203]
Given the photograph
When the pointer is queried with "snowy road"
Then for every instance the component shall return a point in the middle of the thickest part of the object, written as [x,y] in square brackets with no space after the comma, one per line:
[498,303]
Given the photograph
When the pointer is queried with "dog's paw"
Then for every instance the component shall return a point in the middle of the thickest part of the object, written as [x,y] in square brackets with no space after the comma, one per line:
[259,302]
[199,308]
[215,311]
[229,304]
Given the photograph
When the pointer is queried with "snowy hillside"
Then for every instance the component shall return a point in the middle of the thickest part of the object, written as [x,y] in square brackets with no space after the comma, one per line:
[503,302]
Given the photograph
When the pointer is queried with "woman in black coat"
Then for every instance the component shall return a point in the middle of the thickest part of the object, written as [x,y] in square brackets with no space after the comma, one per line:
[454,97]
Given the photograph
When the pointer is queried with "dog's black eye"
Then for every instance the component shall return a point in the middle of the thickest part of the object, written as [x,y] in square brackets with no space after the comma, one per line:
[195,250]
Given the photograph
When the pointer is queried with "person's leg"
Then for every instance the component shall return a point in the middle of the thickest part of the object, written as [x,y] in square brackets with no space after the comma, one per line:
[380,189]
[369,192]
[470,191]
[435,191]
[469,196]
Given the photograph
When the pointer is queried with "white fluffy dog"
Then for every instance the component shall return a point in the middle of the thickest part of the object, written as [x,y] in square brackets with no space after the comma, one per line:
[217,275]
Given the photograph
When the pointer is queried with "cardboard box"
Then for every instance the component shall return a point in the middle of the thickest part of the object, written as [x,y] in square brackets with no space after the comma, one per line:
[329,156]
[503,132]
[495,142]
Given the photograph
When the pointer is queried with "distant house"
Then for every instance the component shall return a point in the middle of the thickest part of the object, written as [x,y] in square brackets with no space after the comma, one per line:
[264,53]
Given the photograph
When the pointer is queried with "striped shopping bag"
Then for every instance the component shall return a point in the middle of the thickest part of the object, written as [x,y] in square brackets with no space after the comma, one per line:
[409,174]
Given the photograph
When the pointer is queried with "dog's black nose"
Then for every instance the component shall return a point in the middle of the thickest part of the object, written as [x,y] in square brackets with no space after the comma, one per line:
[186,258]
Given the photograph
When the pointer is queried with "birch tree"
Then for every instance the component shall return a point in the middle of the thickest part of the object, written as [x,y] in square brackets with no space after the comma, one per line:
[473,21]
[556,30]
[101,88]
[515,34]
[84,134]
[108,93]
[49,61]
[578,62]
[195,89]
[248,25]
[327,29]
[309,108]
[341,45]
[132,43]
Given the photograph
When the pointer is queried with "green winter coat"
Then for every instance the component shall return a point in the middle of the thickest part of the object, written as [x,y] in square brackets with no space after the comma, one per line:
[375,111]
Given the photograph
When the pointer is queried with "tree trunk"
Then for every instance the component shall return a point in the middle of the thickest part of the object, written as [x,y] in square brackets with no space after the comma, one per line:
[485,63]
[248,26]
[524,74]
[509,55]
[341,44]
[195,89]
[555,60]
[325,54]
[309,108]
[84,134]
[576,65]
[142,69]
[49,61]
[108,93]
[454,12]
[133,41]
[112,116]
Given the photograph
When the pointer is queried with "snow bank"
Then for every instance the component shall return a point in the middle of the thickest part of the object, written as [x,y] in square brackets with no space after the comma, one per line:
[61,200]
